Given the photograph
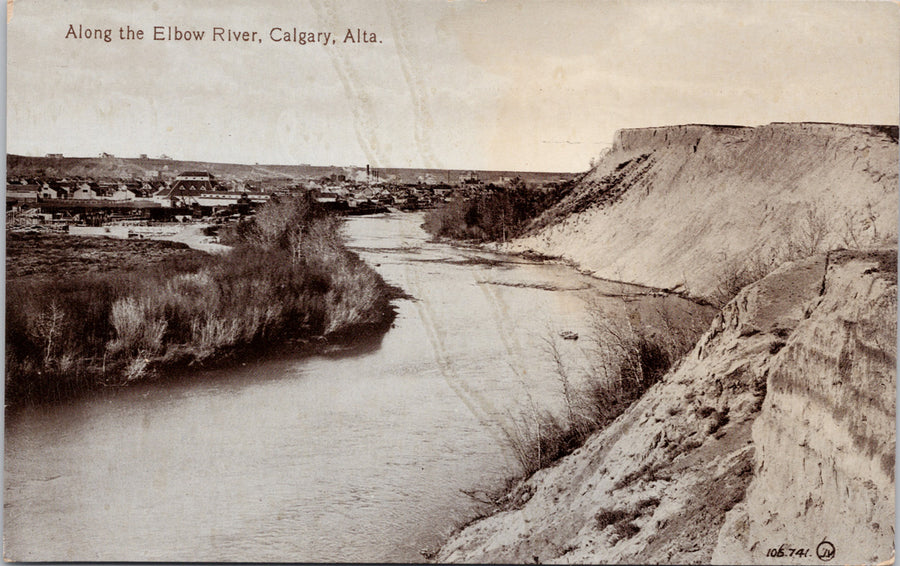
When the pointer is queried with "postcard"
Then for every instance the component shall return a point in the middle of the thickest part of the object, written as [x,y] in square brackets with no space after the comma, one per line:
[451,281]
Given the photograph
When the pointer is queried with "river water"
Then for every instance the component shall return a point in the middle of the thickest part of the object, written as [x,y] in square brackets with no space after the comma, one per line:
[357,455]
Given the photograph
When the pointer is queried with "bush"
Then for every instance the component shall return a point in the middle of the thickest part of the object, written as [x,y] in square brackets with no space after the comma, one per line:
[57,331]
[288,276]
[625,363]
[497,214]
[809,231]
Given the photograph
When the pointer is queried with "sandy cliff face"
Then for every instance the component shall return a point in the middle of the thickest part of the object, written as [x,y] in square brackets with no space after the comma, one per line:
[776,428]
[825,439]
[679,206]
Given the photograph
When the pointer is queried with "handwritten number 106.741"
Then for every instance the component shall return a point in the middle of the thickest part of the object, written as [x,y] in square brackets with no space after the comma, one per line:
[785,551]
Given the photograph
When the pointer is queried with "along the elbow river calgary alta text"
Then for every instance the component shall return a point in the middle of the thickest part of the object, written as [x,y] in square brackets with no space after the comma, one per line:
[277,34]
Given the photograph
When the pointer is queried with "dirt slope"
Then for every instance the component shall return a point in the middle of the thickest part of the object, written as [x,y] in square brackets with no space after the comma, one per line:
[777,426]
[680,206]
[826,439]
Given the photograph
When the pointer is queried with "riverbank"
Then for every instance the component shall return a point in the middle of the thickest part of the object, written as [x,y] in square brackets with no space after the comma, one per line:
[85,312]
[359,454]
[693,472]
[800,253]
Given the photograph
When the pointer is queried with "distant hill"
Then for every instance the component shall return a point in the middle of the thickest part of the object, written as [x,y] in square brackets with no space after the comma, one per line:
[122,168]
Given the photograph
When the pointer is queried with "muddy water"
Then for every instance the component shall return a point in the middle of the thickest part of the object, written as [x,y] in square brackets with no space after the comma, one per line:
[354,456]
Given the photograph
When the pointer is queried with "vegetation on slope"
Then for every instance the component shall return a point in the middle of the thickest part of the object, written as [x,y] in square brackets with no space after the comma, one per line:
[288,276]
[709,211]
[497,214]
[624,361]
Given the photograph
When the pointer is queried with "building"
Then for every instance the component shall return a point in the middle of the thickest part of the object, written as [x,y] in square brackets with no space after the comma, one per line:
[469,178]
[48,192]
[84,192]
[182,196]
[123,193]
[23,193]
[195,181]
[326,197]
[443,191]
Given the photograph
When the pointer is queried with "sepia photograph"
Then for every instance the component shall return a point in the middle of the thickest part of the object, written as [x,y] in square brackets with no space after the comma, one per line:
[451,281]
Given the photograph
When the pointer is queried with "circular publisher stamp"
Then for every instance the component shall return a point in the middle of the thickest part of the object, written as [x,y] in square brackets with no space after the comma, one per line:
[825,550]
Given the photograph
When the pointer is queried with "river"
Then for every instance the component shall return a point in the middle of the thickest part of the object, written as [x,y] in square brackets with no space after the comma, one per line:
[356,455]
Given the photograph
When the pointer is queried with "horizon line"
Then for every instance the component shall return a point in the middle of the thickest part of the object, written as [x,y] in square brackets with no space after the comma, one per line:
[48,155]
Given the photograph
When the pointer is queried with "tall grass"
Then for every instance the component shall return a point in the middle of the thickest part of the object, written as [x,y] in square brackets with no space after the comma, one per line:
[57,331]
[624,363]
[289,275]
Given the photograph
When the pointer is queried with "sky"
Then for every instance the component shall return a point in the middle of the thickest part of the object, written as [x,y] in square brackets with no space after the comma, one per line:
[463,84]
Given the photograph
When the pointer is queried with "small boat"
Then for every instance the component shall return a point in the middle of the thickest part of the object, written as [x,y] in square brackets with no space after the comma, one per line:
[568,335]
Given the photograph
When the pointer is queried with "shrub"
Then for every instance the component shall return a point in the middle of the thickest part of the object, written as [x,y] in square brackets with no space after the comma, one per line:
[738,274]
[625,363]
[289,275]
[57,332]
[497,214]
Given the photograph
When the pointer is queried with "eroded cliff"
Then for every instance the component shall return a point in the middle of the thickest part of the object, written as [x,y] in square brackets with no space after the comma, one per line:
[687,207]
[773,440]
[776,429]
[825,439]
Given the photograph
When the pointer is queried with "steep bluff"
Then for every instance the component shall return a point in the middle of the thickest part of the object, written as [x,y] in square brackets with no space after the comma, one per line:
[825,440]
[777,428]
[685,206]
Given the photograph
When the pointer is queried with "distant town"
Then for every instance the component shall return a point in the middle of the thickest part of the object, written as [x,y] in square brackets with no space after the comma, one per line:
[53,192]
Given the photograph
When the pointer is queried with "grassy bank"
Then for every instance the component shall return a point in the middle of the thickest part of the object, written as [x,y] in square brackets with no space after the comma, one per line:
[289,276]
[624,361]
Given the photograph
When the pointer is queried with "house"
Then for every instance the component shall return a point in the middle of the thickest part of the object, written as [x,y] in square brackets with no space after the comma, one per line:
[123,193]
[56,190]
[442,190]
[23,193]
[177,196]
[105,189]
[162,196]
[85,192]
[195,181]
[469,178]
[189,196]
[48,192]
[148,188]
[326,197]
[186,190]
